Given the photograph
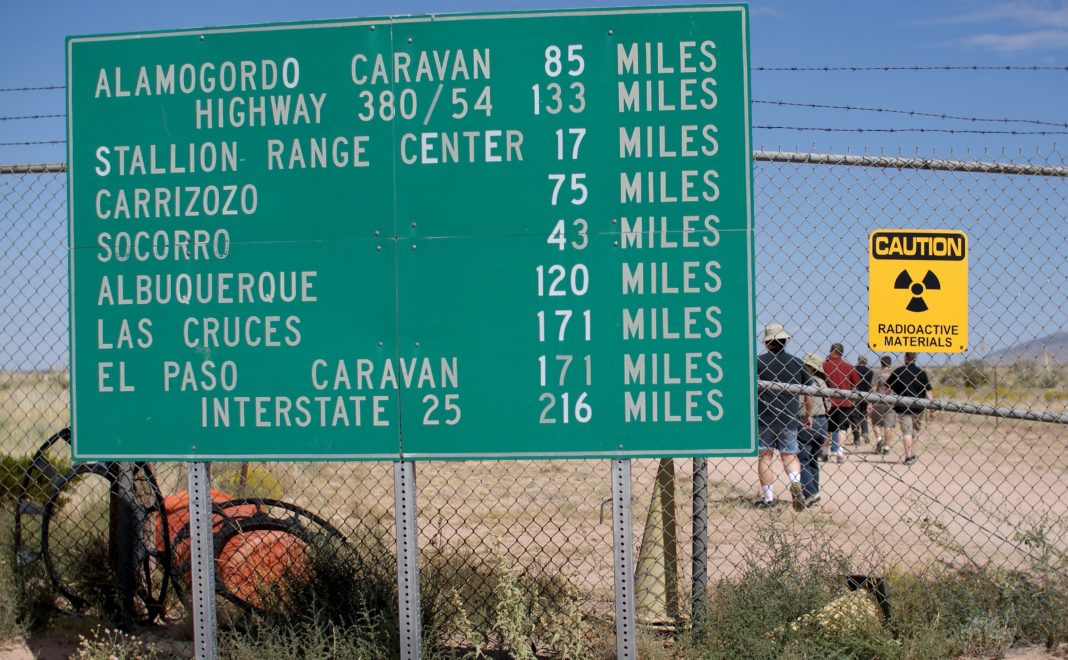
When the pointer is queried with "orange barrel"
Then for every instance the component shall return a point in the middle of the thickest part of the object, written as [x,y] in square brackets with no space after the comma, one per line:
[253,564]
[249,563]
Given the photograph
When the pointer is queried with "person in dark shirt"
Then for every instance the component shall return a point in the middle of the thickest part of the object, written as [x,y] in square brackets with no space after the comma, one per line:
[859,419]
[910,380]
[779,416]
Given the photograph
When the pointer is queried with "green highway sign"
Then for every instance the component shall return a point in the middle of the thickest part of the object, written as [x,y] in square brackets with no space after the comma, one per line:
[522,235]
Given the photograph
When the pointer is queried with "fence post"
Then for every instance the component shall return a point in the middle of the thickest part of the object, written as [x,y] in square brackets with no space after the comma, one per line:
[407,559]
[623,555]
[700,540]
[123,531]
[202,556]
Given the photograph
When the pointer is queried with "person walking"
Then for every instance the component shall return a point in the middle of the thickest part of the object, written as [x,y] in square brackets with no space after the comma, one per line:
[910,380]
[859,419]
[840,375]
[779,417]
[810,438]
[883,417]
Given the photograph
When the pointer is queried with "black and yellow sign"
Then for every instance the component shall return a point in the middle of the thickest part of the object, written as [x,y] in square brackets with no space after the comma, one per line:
[918,291]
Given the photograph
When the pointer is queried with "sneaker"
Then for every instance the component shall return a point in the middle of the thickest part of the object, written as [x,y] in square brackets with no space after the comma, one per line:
[823,455]
[879,447]
[812,501]
[839,456]
[799,498]
[886,450]
[911,460]
[764,504]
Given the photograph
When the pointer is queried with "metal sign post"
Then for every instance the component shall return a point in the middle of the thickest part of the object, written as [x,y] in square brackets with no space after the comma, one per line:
[202,555]
[623,556]
[407,559]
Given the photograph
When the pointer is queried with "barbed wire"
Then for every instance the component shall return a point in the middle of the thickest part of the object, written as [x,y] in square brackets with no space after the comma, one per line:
[31,142]
[911,113]
[796,104]
[822,129]
[821,69]
[31,88]
[16,117]
[963,131]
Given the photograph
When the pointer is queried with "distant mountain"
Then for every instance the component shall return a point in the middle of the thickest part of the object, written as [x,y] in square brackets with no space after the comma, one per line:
[1051,349]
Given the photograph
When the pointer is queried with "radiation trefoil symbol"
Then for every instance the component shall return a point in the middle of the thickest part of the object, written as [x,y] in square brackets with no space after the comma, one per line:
[905,281]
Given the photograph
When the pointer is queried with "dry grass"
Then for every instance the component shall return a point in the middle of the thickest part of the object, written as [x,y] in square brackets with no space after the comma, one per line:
[33,406]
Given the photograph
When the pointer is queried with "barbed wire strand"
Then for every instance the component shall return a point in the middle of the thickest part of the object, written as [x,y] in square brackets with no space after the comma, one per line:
[820,129]
[787,69]
[32,88]
[777,102]
[912,113]
[821,69]
[31,142]
[16,117]
[954,131]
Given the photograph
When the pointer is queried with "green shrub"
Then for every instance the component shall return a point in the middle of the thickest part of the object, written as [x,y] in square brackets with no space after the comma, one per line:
[311,638]
[340,603]
[1054,395]
[968,374]
[1038,376]
[978,611]
[785,580]
[532,612]
[13,471]
[257,481]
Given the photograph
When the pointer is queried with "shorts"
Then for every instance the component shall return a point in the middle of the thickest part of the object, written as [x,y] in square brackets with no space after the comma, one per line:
[883,415]
[911,423]
[782,440]
[838,418]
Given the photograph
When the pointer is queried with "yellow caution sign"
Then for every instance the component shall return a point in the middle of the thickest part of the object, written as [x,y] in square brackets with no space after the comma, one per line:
[918,291]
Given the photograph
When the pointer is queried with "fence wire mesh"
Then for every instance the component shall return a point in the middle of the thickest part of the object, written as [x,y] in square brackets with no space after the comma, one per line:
[539,533]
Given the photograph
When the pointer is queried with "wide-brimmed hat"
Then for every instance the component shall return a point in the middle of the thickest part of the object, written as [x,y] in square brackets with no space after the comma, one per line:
[773,331]
[814,361]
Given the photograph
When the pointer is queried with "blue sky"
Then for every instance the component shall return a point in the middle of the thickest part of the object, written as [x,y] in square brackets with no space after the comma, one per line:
[960,33]
[906,33]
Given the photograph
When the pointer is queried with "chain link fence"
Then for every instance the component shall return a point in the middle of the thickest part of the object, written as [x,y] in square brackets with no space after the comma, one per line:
[539,533]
